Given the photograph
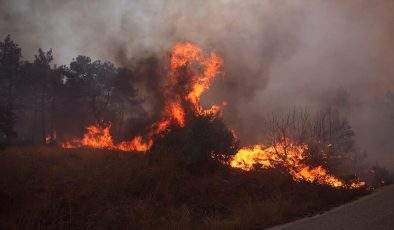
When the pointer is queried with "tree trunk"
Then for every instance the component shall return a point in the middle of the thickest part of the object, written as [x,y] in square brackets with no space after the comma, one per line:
[121,120]
[51,122]
[43,125]
[34,127]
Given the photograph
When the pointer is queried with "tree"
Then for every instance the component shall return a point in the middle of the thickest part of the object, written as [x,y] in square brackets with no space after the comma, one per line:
[10,55]
[328,135]
[124,103]
[7,121]
[63,100]
[90,83]
[203,143]
[42,63]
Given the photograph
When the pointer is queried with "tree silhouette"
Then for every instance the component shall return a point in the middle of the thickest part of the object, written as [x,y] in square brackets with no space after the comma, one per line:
[10,55]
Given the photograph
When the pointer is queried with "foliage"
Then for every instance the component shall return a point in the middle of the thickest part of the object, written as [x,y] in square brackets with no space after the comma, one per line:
[60,101]
[205,140]
[7,121]
[10,55]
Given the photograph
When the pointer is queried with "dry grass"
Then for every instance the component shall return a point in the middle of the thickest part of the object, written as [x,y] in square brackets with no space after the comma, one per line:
[51,188]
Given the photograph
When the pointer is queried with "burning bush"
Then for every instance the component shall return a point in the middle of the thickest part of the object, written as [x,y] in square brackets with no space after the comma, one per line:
[203,142]
[197,137]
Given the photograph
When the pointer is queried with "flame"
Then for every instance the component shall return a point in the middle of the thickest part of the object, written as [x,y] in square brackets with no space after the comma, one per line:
[291,157]
[100,138]
[49,139]
[190,73]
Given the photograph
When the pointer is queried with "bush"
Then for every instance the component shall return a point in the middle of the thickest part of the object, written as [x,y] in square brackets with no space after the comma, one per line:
[204,142]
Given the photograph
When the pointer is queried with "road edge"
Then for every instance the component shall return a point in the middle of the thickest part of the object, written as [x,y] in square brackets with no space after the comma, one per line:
[356,201]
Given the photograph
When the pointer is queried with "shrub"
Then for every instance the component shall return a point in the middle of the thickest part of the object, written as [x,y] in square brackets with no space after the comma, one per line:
[205,141]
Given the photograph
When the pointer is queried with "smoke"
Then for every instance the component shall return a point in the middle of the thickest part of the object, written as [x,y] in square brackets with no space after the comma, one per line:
[277,54]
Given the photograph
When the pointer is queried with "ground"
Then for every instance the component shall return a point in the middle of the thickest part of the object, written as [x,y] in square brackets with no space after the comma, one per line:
[375,211]
[53,188]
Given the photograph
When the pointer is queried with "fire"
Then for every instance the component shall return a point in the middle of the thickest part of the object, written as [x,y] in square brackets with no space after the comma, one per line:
[291,157]
[100,138]
[190,73]
[48,139]
[51,138]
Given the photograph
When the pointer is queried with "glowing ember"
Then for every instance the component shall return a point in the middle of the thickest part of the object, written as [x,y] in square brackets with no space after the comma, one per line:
[50,139]
[289,156]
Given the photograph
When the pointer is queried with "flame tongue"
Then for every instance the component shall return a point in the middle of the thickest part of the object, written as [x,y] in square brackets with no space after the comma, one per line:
[291,157]
[190,73]
[100,138]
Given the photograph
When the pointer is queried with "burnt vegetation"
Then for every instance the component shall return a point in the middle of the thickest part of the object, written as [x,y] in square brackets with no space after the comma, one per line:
[52,188]
[180,183]
[204,143]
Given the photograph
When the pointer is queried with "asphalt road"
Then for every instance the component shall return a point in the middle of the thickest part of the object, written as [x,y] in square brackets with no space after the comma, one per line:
[375,211]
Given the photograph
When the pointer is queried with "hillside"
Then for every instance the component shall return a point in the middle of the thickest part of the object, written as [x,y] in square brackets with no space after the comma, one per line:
[55,188]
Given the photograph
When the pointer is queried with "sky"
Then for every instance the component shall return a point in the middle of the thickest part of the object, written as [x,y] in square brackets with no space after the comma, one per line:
[277,53]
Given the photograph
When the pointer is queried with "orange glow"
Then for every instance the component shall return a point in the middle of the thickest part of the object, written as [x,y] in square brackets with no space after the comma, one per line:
[49,139]
[135,145]
[100,138]
[290,156]
[96,137]
[190,73]
[183,55]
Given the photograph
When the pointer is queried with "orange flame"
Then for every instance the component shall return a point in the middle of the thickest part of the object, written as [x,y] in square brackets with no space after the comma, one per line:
[200,71]
[291,157]
[51,138]
[100,138]
[190,74]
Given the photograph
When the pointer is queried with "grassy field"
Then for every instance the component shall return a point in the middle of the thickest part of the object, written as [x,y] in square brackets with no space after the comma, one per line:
[52,188]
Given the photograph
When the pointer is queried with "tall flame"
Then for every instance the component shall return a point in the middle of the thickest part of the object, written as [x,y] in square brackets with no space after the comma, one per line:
[190,74]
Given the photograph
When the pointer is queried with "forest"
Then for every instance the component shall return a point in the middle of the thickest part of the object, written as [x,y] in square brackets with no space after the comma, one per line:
[41,100]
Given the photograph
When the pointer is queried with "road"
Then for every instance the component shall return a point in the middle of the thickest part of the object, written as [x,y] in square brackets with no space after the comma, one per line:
[375,211]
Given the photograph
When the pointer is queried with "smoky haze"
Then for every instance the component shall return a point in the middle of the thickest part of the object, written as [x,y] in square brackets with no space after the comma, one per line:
[277,54]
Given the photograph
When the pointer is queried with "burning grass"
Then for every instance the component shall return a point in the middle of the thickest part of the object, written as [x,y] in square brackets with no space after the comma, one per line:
[56,188]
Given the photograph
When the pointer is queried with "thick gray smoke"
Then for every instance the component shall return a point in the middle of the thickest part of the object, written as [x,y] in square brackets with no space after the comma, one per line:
[278,54]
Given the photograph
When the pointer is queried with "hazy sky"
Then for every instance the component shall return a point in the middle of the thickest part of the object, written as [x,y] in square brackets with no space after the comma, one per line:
[277,53]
